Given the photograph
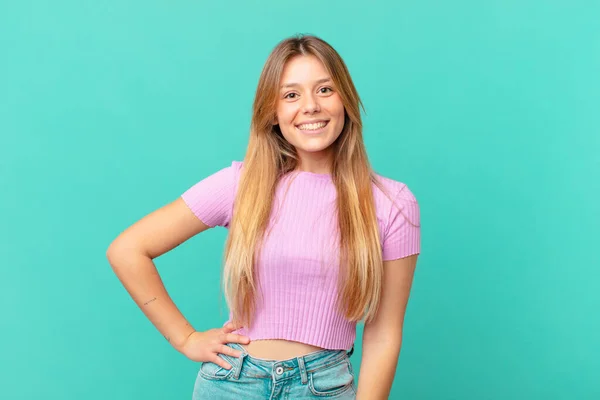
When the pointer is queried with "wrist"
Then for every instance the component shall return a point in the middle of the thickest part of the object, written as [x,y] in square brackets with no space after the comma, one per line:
[179,343]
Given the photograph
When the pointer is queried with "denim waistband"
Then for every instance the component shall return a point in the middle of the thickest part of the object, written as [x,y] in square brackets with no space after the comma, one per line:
[284,369]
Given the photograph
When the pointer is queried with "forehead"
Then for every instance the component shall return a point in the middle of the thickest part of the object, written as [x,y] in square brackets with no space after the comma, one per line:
[302,70]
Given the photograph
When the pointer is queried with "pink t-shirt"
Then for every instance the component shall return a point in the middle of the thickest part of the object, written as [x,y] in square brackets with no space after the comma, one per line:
[299,260]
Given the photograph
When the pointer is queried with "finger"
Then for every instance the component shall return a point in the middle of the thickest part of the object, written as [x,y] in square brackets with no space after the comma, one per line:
[230,327]
[224,349]
[220,362]
[235,338]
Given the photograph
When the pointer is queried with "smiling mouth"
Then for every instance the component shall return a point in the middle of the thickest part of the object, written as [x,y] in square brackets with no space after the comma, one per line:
[313,127]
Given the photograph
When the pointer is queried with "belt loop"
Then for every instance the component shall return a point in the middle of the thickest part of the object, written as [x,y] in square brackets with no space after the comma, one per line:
[238,368]
[302,367]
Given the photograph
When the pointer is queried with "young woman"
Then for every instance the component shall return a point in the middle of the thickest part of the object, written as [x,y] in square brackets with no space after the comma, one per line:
[317,242]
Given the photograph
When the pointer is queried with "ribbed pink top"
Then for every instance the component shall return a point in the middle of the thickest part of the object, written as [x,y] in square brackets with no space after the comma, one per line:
[298,266]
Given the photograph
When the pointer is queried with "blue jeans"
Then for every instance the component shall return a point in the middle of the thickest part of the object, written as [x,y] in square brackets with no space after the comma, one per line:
[322,374]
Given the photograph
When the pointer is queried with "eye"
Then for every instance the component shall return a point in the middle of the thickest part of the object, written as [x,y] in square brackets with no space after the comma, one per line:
[326,88]
[288,96]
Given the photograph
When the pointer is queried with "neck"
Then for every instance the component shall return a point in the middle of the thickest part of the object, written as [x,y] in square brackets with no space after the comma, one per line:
[317,163]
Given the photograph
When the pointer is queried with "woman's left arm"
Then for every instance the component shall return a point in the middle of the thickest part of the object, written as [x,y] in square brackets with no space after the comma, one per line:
[382,337]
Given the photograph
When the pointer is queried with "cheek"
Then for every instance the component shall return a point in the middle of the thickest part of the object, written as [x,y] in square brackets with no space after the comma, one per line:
[286,113]
[335,106]
[285,118]
[337,109]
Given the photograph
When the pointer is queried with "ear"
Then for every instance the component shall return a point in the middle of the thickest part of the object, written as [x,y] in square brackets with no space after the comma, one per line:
[275,122]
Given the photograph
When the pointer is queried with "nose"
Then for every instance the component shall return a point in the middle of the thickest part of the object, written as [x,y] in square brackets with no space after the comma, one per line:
[311,104]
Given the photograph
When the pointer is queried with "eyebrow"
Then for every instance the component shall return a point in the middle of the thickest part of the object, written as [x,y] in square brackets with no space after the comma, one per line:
[322,80]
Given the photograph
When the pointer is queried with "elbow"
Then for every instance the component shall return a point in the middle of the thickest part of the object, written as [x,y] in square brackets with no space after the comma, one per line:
[118,252]
[113,254]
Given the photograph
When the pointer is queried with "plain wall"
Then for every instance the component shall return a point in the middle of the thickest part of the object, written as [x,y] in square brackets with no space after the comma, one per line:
[489,111]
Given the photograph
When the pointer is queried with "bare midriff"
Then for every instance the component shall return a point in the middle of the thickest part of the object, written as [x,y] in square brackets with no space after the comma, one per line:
[278,349]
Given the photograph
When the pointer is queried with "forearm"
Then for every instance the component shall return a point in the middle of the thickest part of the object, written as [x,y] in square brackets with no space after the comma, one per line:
[377,368]
[139,276]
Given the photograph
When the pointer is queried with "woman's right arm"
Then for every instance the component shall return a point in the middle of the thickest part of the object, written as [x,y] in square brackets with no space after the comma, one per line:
[130,256]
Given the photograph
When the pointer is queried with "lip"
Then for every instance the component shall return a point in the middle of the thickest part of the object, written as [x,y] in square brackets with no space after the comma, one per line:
[313,132]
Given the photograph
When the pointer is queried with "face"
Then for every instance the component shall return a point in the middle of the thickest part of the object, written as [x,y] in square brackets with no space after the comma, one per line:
[309,111]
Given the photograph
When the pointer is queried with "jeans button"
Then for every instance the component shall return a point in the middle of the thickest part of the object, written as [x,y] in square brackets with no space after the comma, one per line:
[279,370]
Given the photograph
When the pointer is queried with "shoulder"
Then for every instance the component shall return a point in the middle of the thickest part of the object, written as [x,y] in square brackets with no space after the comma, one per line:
[395,201]
[387,191]
[212,198]
[233,171]
[399,217]
[228,174]
[237,165]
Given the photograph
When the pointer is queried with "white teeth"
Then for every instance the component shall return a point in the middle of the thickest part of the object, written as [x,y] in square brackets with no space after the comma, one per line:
[312,127]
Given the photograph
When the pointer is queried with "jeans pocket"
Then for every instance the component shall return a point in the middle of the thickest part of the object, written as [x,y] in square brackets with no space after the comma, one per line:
[212,371]
[332,380]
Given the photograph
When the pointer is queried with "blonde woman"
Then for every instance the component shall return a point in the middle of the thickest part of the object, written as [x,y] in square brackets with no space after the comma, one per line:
[317,242]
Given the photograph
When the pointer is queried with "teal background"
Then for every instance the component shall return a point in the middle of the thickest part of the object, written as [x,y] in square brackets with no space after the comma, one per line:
[489,111]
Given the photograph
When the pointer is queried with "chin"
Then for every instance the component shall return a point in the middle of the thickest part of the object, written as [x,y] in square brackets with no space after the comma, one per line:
[314,148]
[309,144]
[311,150]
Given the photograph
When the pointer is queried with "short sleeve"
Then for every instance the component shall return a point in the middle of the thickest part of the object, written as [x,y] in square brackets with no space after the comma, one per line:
[402,236]
[211,199]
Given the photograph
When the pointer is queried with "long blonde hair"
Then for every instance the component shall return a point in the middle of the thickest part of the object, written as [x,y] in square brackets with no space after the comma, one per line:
[269,156]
